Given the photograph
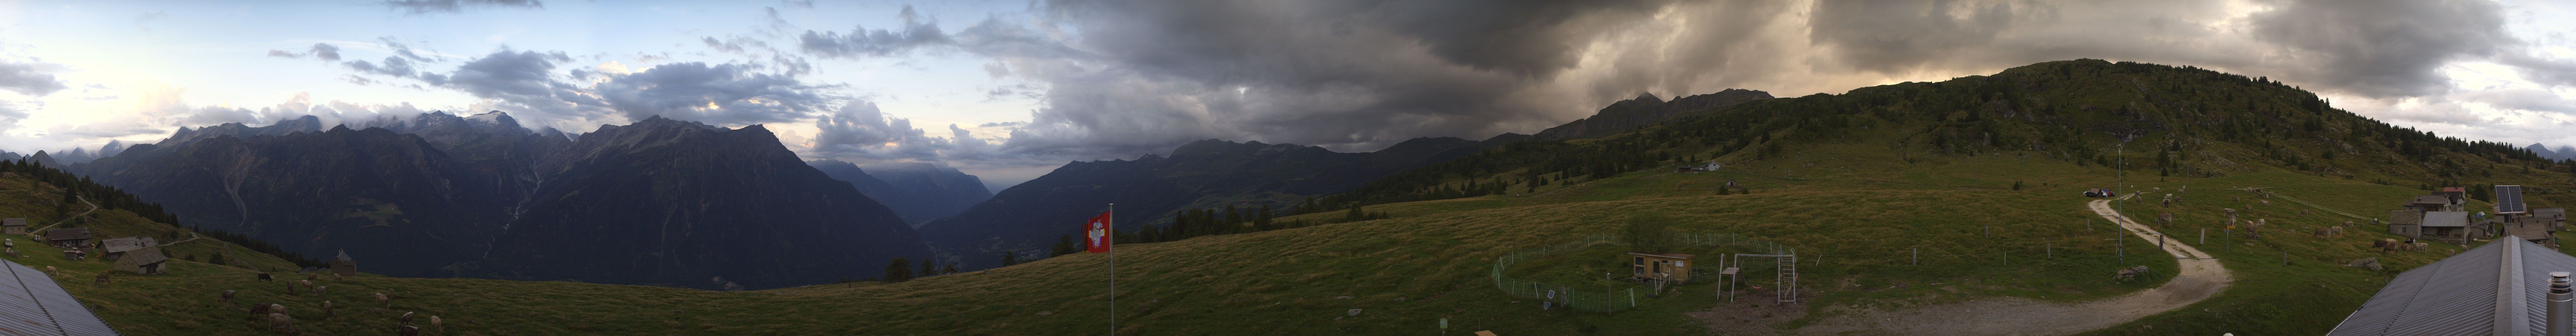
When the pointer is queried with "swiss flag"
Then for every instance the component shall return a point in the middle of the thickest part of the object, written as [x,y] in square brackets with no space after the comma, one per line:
[1095,235]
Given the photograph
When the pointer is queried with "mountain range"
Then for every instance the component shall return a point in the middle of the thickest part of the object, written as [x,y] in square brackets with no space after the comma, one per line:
[481,196]
[918,192]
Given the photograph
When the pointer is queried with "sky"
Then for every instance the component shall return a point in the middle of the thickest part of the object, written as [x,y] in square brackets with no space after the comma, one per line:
[1008,90]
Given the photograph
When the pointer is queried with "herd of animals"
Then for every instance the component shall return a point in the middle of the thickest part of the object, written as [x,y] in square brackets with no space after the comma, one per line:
[277,320]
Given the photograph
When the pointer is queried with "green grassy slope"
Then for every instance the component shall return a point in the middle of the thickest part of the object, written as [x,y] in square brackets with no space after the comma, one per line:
[1856,200]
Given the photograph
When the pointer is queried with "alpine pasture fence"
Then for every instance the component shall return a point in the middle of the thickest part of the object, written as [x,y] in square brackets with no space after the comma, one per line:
[1576,297]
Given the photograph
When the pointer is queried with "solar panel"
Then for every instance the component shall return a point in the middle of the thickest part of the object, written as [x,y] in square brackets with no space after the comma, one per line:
[2509,199]
[31,303]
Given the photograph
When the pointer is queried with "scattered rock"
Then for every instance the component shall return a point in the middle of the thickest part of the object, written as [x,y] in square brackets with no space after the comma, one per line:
[1355,312]
[1047,313]
[1344,297]
[1399,299]
[2370,263]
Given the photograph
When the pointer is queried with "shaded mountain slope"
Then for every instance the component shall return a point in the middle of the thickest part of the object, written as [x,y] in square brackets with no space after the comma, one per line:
[918,192]
[672,203]
[1029,217]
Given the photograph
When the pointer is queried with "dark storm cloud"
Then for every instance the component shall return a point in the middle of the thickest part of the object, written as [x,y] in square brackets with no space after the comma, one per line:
[723,94]
[32,79]
[1352,75]
[861,41]
[2384,47]
[416,7]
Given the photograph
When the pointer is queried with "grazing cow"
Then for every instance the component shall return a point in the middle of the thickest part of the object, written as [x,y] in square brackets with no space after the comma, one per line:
[405,319]
[2336,231]
[2420,246]
[387,300]
[2321,232]
[407,331]
[263,276]
[437,325]
[281,324]
[54,272]
[337,276]
[228,296]
[317,290]
[2265,202]
[2166,217]
[258,310]
[309,277]
[326,310]
[102,280]
[276,308]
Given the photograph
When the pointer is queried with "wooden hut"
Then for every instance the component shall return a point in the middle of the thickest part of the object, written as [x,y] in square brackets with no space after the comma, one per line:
[2406,222]
[147,260]
[15,226]
[71,238]
[2432,203]
[1674,267]
[344,266]
[117,247]
[2536,230]
[2451,225]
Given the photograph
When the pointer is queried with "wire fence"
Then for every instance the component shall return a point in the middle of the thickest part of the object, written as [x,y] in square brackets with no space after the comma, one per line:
[1604,301]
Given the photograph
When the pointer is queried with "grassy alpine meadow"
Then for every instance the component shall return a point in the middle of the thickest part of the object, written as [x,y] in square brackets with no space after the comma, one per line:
[1875,230]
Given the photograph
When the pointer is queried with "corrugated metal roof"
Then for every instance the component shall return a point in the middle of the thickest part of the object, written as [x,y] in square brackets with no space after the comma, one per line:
[2446,219]
[13,222]
[2430,200]
[2460,295]
[32,304]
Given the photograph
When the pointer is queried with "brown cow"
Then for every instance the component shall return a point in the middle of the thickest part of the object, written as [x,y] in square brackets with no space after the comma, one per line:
[326,309]
[387,300]
[405,319]
[228,296]
[438,325]
[407,331]
[263,276]
[258,310]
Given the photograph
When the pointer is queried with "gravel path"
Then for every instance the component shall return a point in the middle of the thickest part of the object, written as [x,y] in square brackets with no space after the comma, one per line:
[2201,277]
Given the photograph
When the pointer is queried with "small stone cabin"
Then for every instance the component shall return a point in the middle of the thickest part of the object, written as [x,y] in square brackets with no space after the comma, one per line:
[1673,267]
[2431,203]
[2406,222]
[71,238]
[2536,230]
[15,226]
[2557,217]
[344,266]
[117,247]
[2451,225]
[147,260]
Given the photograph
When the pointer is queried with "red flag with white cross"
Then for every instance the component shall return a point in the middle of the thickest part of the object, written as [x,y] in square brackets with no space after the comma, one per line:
[1095,234]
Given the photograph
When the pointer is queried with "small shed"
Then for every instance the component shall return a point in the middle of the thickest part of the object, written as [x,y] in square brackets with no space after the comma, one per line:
[2458,195]
[2431,203]
[2536,230]
[344,266]
[15,226]
[147,260]
[2406,222]
[2557,217]
[2449,225]
[67,238]
[1674,267]
[117,247]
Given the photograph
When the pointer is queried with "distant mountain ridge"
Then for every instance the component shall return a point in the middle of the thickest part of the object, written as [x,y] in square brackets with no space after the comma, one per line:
[480,195]
[919,192]
[1645,110]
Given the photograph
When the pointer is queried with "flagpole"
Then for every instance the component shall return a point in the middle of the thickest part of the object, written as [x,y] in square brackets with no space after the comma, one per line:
[1110,239]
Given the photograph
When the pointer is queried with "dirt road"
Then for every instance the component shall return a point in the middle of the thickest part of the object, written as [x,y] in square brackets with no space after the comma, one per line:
[2201,277]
